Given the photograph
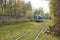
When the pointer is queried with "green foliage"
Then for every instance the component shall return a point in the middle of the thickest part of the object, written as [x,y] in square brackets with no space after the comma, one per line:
[15,11]
[29,14]
[39,12]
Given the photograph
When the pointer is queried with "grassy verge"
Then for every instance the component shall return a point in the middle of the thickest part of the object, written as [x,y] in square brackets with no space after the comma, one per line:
[11,32]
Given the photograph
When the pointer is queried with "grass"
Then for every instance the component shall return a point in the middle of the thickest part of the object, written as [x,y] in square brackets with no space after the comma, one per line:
[11,32]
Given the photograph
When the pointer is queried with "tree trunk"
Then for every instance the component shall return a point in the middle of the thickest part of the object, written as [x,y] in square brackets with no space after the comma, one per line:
[55,16]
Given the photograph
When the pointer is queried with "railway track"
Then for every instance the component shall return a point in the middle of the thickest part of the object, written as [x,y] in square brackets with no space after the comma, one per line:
[26,33]
[36,34]
[39,33]
[22,35]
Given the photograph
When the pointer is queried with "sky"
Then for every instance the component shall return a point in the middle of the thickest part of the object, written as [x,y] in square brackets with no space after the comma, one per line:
[39,3]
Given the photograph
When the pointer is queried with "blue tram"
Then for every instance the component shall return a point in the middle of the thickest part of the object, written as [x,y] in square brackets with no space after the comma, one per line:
[38,18]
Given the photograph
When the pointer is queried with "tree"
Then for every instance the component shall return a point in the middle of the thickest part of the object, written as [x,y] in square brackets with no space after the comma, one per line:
[36,12]
[46,15]
[41,12]
[19,7]
[55,16]
[29,12]
[1,7]
[13,10]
